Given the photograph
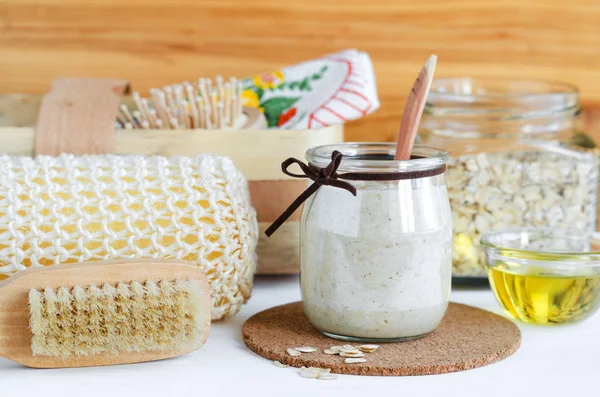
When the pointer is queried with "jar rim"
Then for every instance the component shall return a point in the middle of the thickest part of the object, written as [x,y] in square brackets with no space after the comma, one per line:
[514,87]
[355,154]
[502,99]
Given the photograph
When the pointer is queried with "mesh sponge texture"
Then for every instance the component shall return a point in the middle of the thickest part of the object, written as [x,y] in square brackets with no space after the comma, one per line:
[70,209]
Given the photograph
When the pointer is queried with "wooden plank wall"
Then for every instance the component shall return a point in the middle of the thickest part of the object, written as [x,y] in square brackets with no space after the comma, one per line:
[157,42]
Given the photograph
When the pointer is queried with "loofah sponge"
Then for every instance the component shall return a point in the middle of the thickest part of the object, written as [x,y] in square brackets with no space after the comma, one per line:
[71,209]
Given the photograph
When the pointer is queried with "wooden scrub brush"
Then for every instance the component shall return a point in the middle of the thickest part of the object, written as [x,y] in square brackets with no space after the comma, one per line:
[103,313]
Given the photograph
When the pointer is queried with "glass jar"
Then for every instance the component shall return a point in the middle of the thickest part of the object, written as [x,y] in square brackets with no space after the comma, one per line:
[515,160]
[377,266]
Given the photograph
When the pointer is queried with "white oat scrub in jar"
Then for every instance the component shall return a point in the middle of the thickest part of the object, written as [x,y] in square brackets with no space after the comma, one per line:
[376,266]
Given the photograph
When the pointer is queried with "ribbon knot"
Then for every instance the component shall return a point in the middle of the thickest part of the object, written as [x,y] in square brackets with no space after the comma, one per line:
[327,176]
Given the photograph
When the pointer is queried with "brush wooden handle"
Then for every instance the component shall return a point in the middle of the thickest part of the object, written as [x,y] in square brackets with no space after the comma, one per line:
[414,109]
[15,335]
[78,115]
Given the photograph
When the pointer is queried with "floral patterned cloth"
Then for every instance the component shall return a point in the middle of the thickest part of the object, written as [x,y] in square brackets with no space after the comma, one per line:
[330,90]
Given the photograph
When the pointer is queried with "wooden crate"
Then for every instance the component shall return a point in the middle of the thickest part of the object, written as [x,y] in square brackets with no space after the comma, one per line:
[256,153]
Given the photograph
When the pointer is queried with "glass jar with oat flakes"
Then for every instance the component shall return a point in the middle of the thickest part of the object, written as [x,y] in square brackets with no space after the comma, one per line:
[517,158]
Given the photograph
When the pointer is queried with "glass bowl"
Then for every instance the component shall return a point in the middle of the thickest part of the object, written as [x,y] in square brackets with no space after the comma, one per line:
[544,276]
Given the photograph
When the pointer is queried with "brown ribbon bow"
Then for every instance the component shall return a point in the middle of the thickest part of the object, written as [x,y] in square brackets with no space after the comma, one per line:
[321,177]
[328,176]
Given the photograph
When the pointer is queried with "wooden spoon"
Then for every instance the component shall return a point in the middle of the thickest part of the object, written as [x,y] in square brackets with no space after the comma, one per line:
[414,109]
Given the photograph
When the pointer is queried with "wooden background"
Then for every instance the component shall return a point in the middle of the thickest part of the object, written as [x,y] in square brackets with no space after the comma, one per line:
[157,42]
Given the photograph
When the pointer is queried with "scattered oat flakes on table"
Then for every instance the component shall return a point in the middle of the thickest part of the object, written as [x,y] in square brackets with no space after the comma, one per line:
[306,349]
[293,352]
[355,360]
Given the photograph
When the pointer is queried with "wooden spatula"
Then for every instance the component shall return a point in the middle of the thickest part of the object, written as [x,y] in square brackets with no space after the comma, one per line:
[414,109]
[101,313]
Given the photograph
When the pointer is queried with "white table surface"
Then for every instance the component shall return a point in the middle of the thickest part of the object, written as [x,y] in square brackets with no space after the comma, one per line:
[552,361]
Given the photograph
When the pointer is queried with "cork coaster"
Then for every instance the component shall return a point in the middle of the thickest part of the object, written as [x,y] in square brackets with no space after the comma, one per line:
[467,338]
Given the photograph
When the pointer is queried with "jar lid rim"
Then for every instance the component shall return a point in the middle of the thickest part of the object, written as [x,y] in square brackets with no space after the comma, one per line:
[356,153]
[553,87]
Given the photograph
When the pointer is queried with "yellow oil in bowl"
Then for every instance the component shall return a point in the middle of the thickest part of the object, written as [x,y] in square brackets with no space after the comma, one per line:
[539,298]
[543,276]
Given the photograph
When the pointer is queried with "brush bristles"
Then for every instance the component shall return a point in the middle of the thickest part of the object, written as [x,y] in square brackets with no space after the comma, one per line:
[83,321]
[187,106]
